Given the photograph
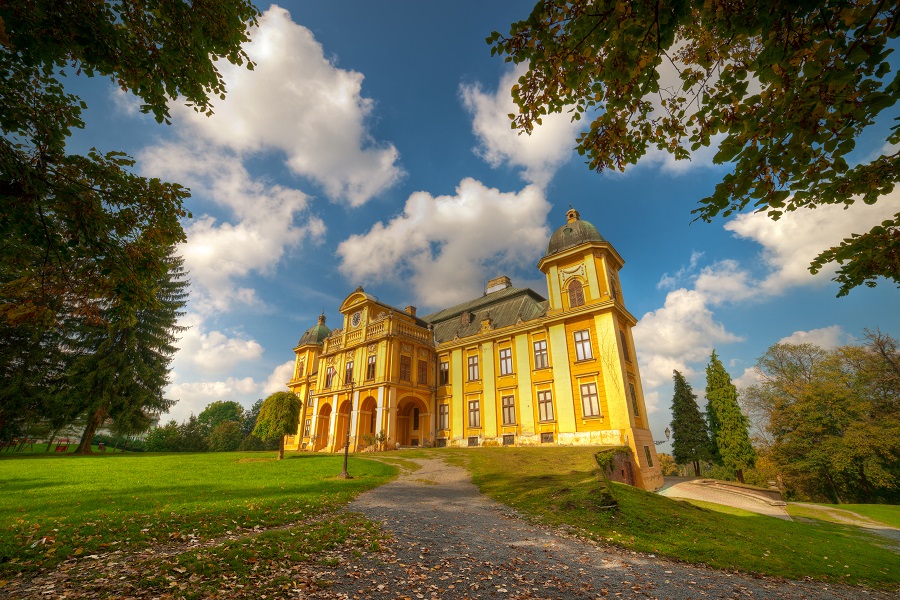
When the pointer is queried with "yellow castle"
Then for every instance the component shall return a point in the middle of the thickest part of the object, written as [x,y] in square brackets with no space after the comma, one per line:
[507,368]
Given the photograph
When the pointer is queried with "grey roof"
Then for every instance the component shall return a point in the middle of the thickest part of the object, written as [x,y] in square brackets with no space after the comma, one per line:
[573,234]
[504,307]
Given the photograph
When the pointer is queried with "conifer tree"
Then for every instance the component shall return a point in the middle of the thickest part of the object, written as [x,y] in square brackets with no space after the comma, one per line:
[124,360]
[690,436]
[727,424]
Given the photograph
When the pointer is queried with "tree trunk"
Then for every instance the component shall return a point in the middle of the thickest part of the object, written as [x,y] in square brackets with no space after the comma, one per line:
[696,468]
[125,445]
[740,475]
[50,441]
[93,422]
[281,448]
[834,487]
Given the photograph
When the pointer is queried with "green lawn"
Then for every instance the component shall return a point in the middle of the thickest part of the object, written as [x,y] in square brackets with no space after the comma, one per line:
[883,513]
[559,486]
[54,506]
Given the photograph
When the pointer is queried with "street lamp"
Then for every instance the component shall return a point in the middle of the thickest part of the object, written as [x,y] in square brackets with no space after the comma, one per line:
[344,474]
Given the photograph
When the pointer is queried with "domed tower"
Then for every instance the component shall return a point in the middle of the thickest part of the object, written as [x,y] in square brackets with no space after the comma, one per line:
[303,382]
[587,320]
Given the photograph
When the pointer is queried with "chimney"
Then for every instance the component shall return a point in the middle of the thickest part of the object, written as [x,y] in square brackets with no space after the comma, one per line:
[497,284]
[410,310]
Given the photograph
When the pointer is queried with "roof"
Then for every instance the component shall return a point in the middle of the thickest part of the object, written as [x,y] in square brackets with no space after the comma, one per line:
[504,307]
[315,334]
[572,234]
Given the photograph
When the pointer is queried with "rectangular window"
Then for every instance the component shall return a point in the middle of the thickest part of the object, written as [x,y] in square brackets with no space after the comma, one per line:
[509,410]
[442,442]
[473,368]
[540,355]
[444,414]
[423,372]
[509,440]
[329,376]
[474,413]
[506,361]
[583,349]
[473,441]
[634,402]
[445,373]
[625,352]
[370,367]
[306,427]
[590,405]
[348,373]
[546,438]
[649,458]
[545,405]
[309,399]
[405,368]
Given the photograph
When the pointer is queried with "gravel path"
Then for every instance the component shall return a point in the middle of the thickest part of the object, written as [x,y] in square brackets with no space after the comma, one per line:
[452,542]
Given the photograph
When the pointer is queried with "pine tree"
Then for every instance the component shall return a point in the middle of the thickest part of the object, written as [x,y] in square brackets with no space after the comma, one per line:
[124,361]
[690,436]
[727,424]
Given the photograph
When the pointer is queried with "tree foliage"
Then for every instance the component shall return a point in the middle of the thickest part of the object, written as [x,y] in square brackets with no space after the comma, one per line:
[219,412]
[690,436]
[226,437]
[833,417]
[783,88]
[278,417]
[727,424]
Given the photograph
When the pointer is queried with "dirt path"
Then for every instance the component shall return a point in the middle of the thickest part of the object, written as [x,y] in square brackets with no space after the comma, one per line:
[847,517]
[452,542]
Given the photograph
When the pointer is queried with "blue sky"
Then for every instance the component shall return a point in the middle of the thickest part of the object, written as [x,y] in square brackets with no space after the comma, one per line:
[370,147]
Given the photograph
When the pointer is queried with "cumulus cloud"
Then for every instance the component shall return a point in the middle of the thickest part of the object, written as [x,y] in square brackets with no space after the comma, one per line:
[441,245]
[298,102]
[824,337]
[268,220]
[193,397]
[212,352]
[276,382]
[793,241]
[540,154]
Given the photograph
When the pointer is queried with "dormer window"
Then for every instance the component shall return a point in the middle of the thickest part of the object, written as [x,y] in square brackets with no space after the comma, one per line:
[576,294]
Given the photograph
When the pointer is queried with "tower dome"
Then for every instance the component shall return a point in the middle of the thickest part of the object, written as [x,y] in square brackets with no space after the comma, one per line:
[573,233]
[315,334]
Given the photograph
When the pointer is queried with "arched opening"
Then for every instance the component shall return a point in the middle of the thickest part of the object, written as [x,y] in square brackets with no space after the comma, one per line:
[576,294]
[341,427]
[365,422]
[413,423]
[323,424]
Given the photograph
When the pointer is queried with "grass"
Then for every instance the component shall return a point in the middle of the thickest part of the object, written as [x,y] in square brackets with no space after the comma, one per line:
[559,486]
[885,514]
[54,507]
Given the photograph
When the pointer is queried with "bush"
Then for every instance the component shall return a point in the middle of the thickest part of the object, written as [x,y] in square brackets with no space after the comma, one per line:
[226,437]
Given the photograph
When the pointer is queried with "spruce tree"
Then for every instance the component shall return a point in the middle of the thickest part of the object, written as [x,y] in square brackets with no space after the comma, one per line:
[690,437]
[124,360]
[727,424]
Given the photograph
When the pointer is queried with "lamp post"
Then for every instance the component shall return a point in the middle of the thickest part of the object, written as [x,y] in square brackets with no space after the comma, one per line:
[344,474]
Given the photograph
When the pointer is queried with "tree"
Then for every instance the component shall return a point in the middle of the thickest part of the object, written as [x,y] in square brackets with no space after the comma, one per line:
[690,436]
[784,89]
[833,417]
[219,412]
[125,357]
[727,424]
[226,437]
[250,416]
[278,417]
[81,228]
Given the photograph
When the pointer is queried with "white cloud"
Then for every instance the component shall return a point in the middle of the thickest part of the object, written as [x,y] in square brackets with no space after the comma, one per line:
[269,219]
[540,154]
[278,378]
[298,102]
[193,397]
[441,245]
[212,352]
[793,241]
[824,337]
[749,377]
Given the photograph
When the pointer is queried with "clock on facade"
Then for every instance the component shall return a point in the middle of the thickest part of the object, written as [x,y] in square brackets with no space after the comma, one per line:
[356,318]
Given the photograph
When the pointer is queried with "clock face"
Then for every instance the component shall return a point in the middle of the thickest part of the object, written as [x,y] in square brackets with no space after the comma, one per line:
[355,319]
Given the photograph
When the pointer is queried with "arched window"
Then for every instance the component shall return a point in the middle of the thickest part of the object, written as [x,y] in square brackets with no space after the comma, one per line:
[576,294]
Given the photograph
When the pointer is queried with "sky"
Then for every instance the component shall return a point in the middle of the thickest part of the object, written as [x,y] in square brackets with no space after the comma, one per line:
[371,146]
